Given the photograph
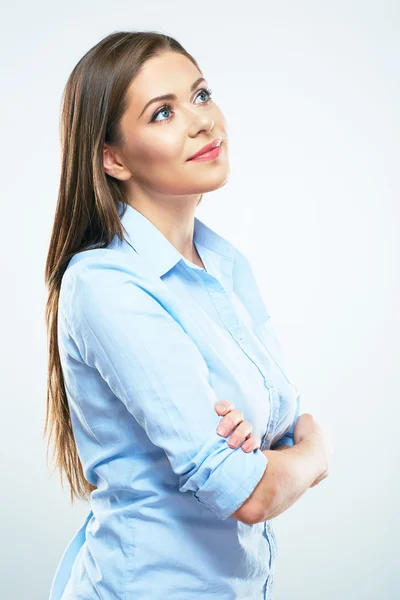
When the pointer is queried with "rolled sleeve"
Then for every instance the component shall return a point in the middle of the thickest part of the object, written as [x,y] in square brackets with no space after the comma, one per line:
[125,324]
[223,491]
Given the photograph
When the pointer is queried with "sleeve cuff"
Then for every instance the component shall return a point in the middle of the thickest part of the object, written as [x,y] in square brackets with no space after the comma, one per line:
[232,482]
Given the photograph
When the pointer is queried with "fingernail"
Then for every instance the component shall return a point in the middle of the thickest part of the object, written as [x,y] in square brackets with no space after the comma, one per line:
[233,441]
[222,430]
[222,408]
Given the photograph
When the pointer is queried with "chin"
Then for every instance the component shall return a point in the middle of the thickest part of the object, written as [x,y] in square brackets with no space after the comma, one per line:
[204,189]
[214,182]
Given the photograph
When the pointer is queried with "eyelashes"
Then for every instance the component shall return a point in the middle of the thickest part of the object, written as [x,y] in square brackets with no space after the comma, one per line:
[170,107]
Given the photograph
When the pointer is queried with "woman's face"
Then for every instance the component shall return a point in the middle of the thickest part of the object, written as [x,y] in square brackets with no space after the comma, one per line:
[158,140]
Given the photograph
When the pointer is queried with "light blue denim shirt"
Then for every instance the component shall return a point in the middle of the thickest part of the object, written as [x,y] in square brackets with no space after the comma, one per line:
[149,342]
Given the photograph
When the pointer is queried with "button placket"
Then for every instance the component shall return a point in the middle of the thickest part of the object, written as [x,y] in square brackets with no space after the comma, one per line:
[268,582]
[232,323]
[218,296]
[273,417]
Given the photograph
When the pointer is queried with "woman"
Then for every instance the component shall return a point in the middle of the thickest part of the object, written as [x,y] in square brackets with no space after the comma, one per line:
[153,318]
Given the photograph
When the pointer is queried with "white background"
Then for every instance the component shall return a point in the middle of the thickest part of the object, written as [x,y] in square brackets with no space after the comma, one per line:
[310,91]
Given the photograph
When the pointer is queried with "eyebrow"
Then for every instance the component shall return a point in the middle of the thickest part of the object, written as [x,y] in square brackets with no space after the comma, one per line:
[170,96]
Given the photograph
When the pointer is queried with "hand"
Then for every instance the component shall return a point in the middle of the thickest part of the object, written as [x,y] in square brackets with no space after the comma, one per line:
[233,420]
[307,429]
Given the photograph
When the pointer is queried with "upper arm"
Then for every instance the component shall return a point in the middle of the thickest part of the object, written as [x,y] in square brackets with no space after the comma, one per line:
[122,327]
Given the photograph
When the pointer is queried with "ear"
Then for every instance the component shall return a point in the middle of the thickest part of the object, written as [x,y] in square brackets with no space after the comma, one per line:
[113,165]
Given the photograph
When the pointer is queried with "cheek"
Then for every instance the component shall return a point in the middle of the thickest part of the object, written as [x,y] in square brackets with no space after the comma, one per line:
[157,160]
[161,146]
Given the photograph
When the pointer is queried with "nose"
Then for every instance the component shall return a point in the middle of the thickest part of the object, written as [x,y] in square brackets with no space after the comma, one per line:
[204,123]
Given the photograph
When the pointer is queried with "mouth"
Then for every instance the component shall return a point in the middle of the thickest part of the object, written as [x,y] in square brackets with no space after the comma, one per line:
[209,151]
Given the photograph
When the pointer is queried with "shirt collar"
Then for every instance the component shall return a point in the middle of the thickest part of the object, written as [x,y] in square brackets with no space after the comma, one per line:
[149,242]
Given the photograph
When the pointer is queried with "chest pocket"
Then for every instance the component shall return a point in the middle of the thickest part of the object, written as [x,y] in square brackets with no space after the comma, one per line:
[266,333]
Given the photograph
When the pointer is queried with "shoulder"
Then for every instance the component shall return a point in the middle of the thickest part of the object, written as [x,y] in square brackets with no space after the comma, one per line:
[101,274]
[98,266]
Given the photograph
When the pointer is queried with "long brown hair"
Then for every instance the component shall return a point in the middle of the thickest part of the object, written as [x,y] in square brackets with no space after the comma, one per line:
[93,102]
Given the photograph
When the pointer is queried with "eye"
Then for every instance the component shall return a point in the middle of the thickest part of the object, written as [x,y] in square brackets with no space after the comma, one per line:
[208,93]
[169,107]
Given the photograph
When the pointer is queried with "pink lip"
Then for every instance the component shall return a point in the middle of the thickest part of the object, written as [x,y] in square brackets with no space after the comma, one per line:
[206,149]
[212,154]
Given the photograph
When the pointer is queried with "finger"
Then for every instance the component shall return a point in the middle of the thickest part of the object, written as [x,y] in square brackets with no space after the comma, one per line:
[223,407]
[251,443]
[319,479]
[230,422]
[241,433]
[315,482]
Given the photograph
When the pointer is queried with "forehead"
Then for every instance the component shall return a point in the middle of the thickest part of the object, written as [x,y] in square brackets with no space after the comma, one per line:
[169,73]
